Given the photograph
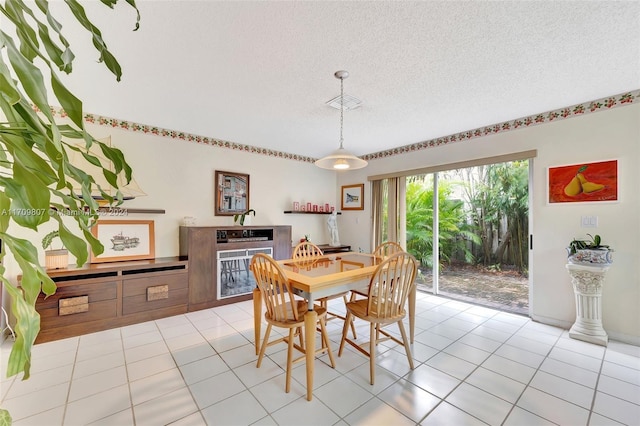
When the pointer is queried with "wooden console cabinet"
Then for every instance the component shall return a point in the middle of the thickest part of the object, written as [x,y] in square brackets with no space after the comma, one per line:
[200,246]
[101,296]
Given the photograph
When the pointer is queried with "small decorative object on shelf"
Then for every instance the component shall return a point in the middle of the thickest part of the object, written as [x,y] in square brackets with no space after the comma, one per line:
[589,252]
[305,212]
[332,226]
[54,259]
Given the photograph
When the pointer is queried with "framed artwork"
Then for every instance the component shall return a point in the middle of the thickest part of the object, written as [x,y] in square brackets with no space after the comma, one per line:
[586,182]
[124,240]
[352,197]
[231,193]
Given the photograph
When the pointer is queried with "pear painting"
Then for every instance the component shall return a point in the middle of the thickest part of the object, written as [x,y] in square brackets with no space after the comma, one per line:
[584,182]
[580,184]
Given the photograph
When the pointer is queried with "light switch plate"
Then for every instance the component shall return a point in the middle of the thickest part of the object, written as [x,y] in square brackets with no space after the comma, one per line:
[589,221]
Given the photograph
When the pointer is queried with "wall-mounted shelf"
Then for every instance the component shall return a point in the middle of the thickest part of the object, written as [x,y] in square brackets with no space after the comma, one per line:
[300,212]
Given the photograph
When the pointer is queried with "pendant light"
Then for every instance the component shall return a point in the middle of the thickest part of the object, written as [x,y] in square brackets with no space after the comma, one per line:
[341,159]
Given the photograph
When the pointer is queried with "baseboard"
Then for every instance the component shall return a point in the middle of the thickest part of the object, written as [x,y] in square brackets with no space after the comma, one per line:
[552,321]
[618,337]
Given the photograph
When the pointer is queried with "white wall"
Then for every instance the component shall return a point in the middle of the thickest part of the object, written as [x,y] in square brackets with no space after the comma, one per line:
[612,134]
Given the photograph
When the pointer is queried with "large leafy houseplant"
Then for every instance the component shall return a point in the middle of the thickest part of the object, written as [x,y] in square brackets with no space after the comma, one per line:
[37,180]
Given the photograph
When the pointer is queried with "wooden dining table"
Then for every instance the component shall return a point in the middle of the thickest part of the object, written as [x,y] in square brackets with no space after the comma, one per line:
[320,277]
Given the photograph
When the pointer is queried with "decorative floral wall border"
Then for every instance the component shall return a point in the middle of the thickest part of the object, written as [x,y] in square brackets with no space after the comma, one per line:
[603,104]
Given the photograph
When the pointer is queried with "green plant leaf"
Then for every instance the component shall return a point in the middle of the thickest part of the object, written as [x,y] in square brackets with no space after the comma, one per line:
[5,217]
[29,75]
[117,158]
[48,239]
[71,105]
[8,89]
[105,56]
[77,246]
[19,203]
[5,418]
[26,328]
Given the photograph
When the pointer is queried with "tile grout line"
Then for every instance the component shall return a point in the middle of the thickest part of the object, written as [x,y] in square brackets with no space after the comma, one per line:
[528,384]
[442,400]
[595,387]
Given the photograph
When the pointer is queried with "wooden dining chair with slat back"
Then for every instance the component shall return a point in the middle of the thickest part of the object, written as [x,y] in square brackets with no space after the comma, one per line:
[388,248]
[308,250]
[389,290]
[285,311]
[383,251]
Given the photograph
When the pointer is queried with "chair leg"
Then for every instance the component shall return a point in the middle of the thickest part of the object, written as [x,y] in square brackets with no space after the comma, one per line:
[373,328]
[345,330]
[353,326]
[325,338]
[407,348]
[289,359]
[263,347]
[300,336]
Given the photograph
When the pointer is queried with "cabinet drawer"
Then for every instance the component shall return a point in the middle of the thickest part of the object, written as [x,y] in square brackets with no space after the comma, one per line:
[78,303]
[153,292]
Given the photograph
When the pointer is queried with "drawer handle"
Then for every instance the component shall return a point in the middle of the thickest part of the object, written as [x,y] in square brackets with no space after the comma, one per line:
[158,292]
[73,305]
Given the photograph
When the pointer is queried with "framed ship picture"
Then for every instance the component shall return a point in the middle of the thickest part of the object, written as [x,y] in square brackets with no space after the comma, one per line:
[124,240]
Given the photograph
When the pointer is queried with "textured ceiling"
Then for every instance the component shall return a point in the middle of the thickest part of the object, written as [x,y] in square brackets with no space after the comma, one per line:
[259,73]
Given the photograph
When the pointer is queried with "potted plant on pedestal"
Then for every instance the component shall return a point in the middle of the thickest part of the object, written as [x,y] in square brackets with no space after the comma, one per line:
[54,258]
[589,252]
[587,265]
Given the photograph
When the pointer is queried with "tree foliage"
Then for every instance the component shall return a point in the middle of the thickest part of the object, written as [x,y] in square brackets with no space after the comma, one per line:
[454,231]
[38,182]
[483,215]
[498,195]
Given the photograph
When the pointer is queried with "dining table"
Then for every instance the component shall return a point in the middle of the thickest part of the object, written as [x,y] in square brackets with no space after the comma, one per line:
[321,276]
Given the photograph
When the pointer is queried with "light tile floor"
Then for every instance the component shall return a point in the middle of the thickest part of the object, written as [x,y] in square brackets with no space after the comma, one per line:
[473,366]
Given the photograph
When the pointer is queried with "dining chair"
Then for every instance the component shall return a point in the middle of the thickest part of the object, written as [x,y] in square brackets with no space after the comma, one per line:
[387,249]
[384,250]
[307,250]
[285,311]
[389,289]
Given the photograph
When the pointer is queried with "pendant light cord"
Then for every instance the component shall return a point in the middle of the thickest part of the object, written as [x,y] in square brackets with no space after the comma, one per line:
[341,109]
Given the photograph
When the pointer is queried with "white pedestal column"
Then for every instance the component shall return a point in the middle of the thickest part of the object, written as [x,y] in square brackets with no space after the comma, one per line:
[587,286]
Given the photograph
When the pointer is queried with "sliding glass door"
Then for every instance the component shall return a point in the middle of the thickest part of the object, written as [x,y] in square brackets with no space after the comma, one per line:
[468,227]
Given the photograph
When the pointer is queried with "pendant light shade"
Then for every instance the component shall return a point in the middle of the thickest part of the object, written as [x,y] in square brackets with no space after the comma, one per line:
[341,159]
